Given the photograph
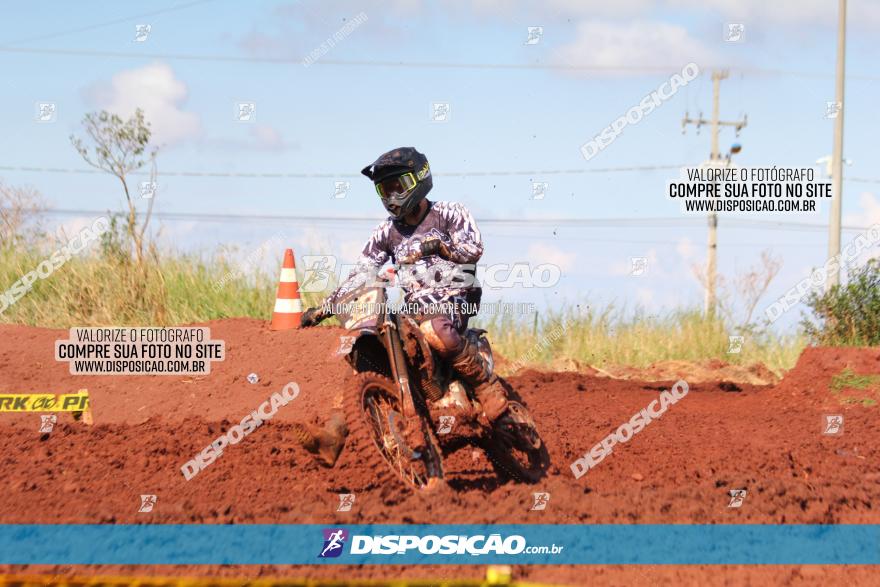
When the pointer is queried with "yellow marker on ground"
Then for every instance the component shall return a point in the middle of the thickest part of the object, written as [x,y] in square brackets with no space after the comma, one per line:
[45,402]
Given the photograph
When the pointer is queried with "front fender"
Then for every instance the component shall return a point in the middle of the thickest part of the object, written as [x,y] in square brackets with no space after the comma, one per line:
[365,352]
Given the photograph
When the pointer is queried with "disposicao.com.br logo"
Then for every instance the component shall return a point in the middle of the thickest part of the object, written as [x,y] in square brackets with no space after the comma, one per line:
[335,538]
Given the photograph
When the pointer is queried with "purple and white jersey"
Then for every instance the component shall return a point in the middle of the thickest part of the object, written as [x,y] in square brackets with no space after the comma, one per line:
[430,280]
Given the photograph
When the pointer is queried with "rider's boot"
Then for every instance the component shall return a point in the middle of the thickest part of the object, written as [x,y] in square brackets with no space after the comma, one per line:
[470,364]
[325,443]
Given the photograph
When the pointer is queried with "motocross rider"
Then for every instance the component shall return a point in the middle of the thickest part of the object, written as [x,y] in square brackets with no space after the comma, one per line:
[430,238]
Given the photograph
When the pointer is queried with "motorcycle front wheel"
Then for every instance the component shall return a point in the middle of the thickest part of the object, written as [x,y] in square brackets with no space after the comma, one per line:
[406,449]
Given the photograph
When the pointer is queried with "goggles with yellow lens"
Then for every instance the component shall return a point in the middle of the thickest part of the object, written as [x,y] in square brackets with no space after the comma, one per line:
[397,187]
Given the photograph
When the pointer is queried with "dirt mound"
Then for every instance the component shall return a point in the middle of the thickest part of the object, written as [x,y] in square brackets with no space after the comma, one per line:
[813,375]
[721,436]
[695,371]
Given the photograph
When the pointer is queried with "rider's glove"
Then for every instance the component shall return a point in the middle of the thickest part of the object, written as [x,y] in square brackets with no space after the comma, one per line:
[434,246]
[312,317]
[411,256]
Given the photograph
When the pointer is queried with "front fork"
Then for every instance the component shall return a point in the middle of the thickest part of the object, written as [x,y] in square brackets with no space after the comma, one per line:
[409,428]
[391,332]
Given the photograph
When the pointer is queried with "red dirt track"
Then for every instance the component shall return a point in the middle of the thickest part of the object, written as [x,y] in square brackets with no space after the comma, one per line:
[677,470]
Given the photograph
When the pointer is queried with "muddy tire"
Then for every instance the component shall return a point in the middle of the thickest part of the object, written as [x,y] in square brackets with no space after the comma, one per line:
[376,424]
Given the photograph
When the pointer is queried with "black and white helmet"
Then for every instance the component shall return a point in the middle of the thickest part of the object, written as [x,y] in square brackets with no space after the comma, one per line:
[402,178]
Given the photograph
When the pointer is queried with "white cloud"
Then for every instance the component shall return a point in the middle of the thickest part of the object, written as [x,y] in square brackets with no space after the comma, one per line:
[298,28]
[554,10]
[869,214]
[595,8]
[155,89]
[69,228]
[631,44]
[176,231]
[268,137]
[541,253]
[685,248]
[301,26]
[789,13]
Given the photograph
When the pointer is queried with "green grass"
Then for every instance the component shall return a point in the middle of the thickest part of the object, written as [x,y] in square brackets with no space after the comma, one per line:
[613,336]
[105,289]
[101,290]
[850,380]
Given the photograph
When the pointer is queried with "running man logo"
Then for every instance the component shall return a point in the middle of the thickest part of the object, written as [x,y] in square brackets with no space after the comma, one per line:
[734,32]
[833,425]
[737,497]
[536,33]
[47,112]
[141,32]
[346,500]
[540,189]
[334,540]
[440,112]
[735,343]
[147,503]
[47,423]
[446,424]
[342,188]
[541,501]
[346,343]
[319,270]
[639,266]
[148,189]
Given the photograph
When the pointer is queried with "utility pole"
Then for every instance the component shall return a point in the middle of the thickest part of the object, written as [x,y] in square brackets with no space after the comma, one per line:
[837,154]
[714,160]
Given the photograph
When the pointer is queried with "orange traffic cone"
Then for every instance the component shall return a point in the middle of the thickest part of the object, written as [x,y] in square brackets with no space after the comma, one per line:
[288,306]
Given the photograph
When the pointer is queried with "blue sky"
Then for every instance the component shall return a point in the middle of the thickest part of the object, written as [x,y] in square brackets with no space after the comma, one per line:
[373,91]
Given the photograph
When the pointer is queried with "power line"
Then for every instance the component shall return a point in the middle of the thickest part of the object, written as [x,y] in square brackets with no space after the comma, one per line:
[337,175]
[340,62]
[544,237]
[757,223]
[661,222]
[412,64]
[107,23]
[538,172]
[325,175]
[219,217]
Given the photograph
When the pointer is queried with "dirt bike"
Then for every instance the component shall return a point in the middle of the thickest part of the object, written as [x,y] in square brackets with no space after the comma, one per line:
[410,405]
